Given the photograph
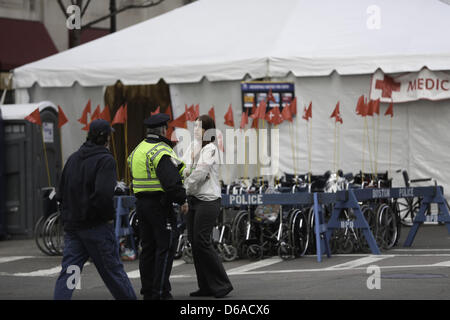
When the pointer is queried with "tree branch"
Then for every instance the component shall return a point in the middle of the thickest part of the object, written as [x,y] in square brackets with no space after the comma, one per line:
[85,7]
[61,5]
[131,6]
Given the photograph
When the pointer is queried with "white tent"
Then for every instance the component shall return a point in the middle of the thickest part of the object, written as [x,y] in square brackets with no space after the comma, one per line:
[329,49]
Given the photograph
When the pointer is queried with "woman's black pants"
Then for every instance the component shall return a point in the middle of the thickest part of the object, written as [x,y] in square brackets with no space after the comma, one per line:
[201,219]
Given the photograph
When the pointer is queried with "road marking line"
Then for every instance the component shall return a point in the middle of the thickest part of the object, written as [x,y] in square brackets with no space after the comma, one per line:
[413,250]
[342,269]
[254,265]
[360,262]
[40,273]
[442,264]
[14,258]
[135,274]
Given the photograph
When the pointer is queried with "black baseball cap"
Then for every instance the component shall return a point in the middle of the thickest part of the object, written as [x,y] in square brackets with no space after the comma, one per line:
[99,126]
[157,120]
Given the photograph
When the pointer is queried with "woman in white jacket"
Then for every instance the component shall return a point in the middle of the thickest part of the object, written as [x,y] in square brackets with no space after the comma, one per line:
[204,196]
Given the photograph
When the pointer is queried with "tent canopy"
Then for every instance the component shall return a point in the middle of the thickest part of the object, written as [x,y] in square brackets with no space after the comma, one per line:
[229,39]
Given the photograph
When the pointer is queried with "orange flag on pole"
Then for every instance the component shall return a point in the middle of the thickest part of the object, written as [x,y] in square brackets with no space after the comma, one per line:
[390,110]
[96,114]
[293,106]
[274,116]
[190,113]
[105,115]
[62,119]
[336,111]
[169,112]
[360,106]
[260,112]
[229,121]
[270,96]
[34,117]
[156,111]
[179,122]
[212,114]
[307,112]
[286,113]
[120,116]
[376,106]
[86,110]
[244,119]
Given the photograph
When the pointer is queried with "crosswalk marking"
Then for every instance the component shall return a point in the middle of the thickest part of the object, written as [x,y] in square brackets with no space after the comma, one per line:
[14,258]
[41,273]
[442,264]
[360,262]
[136,274]
[254,265]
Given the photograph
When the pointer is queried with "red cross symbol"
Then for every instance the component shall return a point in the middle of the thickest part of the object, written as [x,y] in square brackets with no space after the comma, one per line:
[387,85]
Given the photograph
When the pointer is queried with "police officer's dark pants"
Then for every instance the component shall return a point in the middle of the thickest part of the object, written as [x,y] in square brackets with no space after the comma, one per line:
[158,246]
[100,244]
[201,219]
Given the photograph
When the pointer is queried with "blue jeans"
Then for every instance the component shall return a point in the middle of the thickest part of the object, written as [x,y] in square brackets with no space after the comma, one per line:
[100,244]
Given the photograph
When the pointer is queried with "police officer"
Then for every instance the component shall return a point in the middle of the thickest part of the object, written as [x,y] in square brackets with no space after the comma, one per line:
[157,183]
[86,193]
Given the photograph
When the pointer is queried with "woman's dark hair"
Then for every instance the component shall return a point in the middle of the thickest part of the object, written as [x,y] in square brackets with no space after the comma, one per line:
[207,124]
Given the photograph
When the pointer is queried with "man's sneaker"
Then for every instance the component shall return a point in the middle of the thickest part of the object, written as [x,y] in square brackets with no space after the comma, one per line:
[128,255]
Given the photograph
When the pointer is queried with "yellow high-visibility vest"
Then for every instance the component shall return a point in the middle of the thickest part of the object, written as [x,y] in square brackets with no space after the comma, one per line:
[143,162]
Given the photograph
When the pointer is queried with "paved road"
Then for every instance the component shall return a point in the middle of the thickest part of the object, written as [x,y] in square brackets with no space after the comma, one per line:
[420,272]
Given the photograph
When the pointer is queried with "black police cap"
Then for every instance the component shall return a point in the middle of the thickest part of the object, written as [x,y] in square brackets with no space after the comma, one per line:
[157,120]
[98,126]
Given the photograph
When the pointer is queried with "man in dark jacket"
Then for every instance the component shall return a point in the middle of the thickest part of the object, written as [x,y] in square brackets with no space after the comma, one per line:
[86,193]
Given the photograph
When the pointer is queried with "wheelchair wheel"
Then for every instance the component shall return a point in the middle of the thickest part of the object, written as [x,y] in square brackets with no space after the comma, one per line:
[387,226]
[39,236]
[255,252]
[299,233]
[227,252]
[285,251]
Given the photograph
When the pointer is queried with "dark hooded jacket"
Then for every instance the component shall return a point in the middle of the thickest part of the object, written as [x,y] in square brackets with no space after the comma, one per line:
[87,186]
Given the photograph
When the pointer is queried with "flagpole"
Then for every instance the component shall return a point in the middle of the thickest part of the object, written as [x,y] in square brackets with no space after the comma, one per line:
[390,144]
[366,126]
[126,151]
[334,148]
[310,149]
[259,173]
[115,155]
[338,147]
[45,157]
[374,145]
[363,151]
[293,148]
[245,158]
[378,142]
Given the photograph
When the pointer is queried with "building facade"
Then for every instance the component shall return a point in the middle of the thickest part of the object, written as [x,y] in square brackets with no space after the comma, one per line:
[34,29]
